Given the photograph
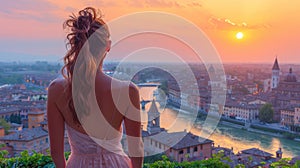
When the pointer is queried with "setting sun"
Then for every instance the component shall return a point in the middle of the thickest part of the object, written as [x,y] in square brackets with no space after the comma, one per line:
[239,35]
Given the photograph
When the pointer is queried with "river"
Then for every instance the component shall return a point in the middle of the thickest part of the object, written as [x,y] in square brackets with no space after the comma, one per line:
[224,136]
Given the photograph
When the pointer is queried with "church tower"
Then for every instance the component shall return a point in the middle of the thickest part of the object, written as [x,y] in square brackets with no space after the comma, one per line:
[153,119]
[275,75]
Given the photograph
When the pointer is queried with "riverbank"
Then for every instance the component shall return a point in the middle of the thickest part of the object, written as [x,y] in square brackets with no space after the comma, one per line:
[225,136]
[260,129]
[250,129]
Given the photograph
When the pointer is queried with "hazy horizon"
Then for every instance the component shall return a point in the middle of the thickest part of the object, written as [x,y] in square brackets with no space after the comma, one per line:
[34,59]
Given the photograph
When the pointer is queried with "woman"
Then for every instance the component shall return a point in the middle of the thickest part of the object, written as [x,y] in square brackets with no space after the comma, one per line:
[91,105]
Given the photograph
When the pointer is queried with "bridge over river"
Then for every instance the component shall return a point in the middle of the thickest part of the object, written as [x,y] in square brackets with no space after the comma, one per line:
[225,136]
[152,84]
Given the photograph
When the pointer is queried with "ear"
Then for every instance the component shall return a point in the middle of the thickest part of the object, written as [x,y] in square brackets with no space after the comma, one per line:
[108,45]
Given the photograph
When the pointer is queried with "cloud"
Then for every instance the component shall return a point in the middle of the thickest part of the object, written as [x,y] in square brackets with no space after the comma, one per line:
[194,4]
[227,24]
[153,3]
[40,10]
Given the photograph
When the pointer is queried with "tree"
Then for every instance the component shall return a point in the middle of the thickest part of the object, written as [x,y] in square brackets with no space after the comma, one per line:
[164,87]
[15,118]
[5,125]
[266,113]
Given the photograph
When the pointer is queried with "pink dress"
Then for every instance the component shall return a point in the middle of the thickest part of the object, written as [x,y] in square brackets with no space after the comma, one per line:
[87,153]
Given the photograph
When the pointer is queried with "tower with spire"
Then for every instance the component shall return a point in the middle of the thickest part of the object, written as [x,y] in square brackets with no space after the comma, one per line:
[275,74]
[153,125]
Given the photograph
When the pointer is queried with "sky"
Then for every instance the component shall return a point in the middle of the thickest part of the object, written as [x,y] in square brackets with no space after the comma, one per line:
[32,29]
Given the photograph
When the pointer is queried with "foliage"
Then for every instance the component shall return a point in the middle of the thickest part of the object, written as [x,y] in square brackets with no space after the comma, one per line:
[266,113]
[153,158]
[281,163]
[166,163]
[11,79]
[164,87]
[215,161]
[5,125]
[37,160]
[15,118]
[240,166]
[3,153]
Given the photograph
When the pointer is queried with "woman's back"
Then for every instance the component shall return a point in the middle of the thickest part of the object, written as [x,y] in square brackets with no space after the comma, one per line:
[108,105]
[92,105]
[104,147]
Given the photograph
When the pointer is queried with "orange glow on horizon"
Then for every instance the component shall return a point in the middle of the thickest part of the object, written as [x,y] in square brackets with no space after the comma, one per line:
[266,31]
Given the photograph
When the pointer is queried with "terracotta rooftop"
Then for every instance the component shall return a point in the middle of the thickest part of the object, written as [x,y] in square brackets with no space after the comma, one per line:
[179,140]
[257,152]
[26,135]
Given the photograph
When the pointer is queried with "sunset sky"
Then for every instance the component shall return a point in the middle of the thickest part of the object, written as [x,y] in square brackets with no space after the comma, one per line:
[32,29]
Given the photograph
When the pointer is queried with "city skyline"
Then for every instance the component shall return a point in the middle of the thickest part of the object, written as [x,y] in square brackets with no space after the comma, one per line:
[267,31]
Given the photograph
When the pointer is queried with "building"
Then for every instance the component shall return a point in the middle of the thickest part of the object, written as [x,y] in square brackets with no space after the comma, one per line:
[35,117]
[297,116]
[290,117]
[179,146]
[275,75]
[267,85]
[2,131]
[244,111]
[258,153]
[287,93]
[253,158]
[287,116]
[35,139]
[6,112]
[153,125]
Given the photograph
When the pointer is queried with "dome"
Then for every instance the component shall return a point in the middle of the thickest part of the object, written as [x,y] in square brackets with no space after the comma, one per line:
[290,77]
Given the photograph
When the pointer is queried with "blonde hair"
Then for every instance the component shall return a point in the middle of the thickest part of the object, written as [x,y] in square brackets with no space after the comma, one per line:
[83,51]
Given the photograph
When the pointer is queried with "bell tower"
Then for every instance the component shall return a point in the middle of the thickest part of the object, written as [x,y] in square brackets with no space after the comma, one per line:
[275,75]
[153,125]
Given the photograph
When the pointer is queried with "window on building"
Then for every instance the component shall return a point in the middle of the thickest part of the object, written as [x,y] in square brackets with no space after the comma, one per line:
[201,147]
[195,149]
[188,150]
[159,145]
[155,143]
[181,152]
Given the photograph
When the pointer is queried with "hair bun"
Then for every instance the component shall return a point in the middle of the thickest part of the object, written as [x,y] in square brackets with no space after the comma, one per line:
[84,21]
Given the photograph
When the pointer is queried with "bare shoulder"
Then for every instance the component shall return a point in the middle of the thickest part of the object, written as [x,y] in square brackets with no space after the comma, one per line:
[124,84]
[57,85]
[133,88]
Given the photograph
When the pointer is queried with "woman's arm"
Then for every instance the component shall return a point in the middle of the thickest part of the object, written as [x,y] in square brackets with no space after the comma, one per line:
[132,123]
[56,127]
